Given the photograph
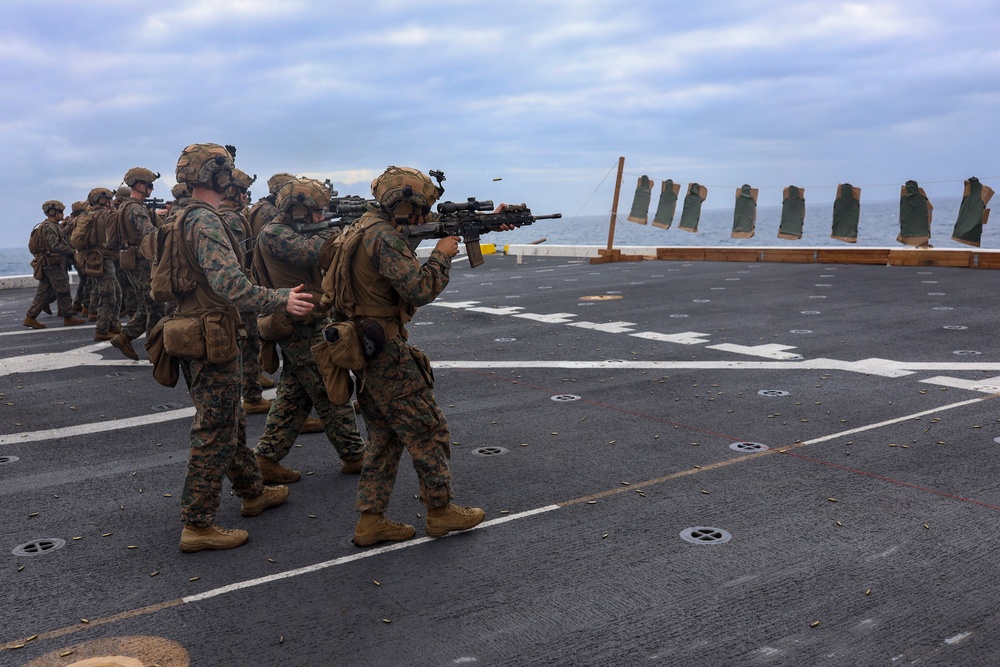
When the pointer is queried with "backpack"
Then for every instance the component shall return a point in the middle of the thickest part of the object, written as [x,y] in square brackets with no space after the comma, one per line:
[338,285]
[175,271]
[37,243]
[115,235]
[84,234]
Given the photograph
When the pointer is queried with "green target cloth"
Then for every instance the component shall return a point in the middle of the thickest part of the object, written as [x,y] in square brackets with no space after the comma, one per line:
[640,203]
[972,214]
[667,206]
[691,213]
[846,213]
[745,213]
[914,216]
[793,213]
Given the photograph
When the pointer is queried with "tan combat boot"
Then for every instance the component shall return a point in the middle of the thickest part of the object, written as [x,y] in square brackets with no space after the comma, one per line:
[271,496]
[313,425]
[103,336]
[443,520]
[373,528]
[84,312]
[72,321]
[125,345]
[275,473]
[33,323]
[200,538]
[351,467]
[92,317]
[264,381]
[258,407]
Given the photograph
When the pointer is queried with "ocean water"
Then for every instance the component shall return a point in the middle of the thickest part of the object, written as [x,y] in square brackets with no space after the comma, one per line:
[878,227]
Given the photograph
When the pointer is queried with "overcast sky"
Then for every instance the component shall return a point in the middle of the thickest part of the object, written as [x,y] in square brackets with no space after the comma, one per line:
[543,94]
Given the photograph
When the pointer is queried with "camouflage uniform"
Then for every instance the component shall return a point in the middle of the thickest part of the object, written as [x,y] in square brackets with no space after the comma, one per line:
[261,213]
[106,293]
[301,385]
[148,312]
[218,433]
[396,398]
[250,346]
[55,281]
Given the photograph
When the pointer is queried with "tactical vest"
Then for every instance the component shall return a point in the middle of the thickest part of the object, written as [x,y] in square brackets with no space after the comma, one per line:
[357,289]
[276,273]
[177,275]
[261,213]
[128,235]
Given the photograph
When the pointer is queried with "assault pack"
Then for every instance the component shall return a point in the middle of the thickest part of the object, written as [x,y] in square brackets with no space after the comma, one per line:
[172,274]
[37,243]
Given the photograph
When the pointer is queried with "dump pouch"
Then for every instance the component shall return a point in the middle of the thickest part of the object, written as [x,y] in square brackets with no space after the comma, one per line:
[37,268]
[344,343]
[147,247]
[336,379]
[274,326]
[183,337]
[424,364]
[165,366]
[268,356]
[221,344]
[93,263]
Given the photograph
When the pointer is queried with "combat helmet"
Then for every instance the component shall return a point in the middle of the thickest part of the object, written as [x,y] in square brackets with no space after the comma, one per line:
[137,174]
[404,185]
[53,205]
[78,208]
[180,191]
[242,181]
[123,192]
[100,197]
[275,182]
[207,166]
[298,199]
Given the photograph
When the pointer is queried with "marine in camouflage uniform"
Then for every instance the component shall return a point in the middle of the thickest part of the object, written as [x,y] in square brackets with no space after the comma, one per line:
[83,284]
[231,211]
[218,432]
[129,301]
[264,211]
[53,256]
[287,254]
[107,291]
[137,221]
[396,395]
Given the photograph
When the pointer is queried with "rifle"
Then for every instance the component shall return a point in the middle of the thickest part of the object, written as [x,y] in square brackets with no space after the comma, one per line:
[154,203]
[343,211]
[468,220]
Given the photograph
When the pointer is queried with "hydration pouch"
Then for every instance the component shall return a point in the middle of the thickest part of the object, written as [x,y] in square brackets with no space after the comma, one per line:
[221,344]
[126,259]
[268,356]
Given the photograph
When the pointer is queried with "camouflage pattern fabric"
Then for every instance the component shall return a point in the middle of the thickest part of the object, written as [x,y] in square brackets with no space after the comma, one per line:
[55,281]
[261,213]
[218,432]
[109,297]
[396,399]
[301,385]
[148,312]
[54,284]
[128,299]
[401,413]
[299,390]
[218,441]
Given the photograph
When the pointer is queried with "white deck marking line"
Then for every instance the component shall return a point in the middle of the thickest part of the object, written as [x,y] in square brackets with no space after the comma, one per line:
[101,427]
[77,327]
[250,583]
[343,560]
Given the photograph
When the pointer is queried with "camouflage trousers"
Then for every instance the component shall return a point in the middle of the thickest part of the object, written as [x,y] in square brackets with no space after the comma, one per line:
[299,389]
[218,441]
[401,413]
[82,290]
[54,284]
[109,296]
[148,312]
[128,302]
[250,351]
